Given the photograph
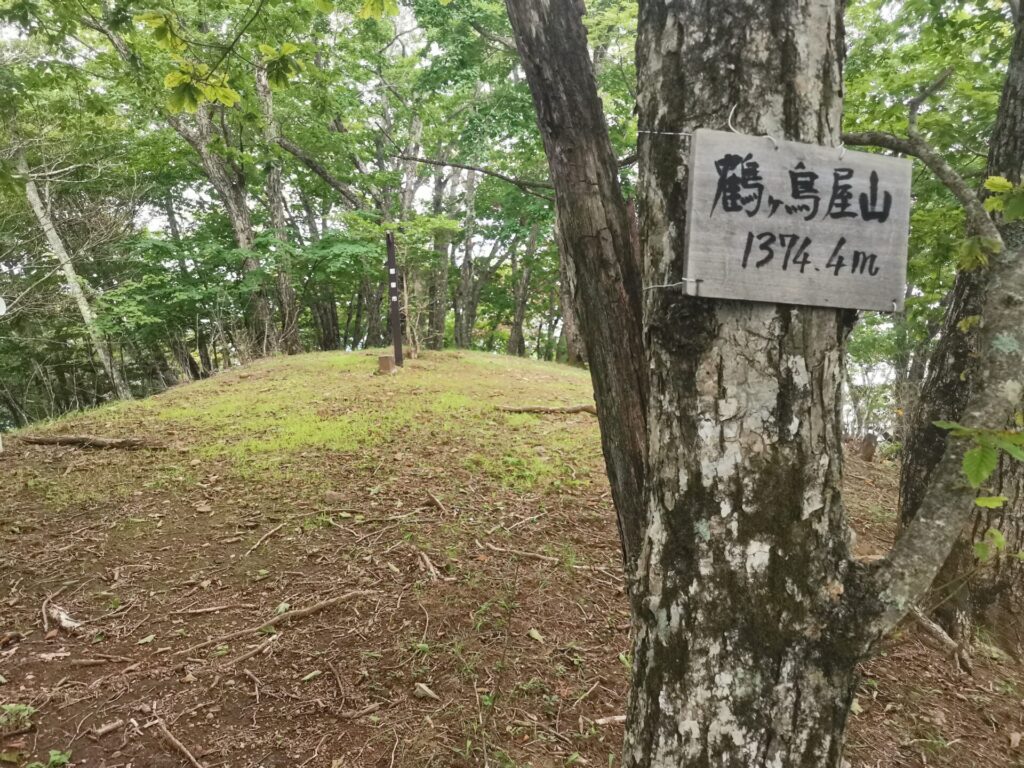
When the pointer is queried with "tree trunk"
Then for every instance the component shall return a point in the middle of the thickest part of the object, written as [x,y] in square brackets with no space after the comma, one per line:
[188,364]
[228,178]
[117,383]
[375,324]
[438,290]
[521,295]
[357,330]
[465,312]
[744,542]
[575,350]
[949,386]
[325,314]
[592,232]
[289,336]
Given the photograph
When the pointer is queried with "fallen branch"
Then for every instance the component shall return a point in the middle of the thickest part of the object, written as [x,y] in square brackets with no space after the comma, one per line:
[210,609]
[263,538]
[538,556]
[87,441]
[177,744]
[300,613]
[545,409]
[945,642]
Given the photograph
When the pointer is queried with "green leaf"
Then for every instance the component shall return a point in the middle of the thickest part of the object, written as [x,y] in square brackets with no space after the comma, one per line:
[994,203]
[324,6]
[372,9]
[946,424]
[981,551]
[968,322]
[996,538]
[1013,208]
[979,464]
[990,502]
[998,184]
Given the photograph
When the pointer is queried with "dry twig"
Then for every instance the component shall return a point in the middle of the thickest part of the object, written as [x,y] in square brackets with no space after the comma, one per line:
[263,538]
[300,613]
[162,727]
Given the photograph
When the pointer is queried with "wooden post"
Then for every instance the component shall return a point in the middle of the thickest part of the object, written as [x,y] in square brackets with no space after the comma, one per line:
[396,315]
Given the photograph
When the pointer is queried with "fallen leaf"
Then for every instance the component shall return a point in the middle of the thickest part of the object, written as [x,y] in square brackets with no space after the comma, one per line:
[536,635]
[1014,740]
[312,676]
[146,640]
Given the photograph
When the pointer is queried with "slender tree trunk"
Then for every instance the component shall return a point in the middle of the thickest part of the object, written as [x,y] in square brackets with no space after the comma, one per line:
[325,313]
[188,364]
[71,281]
[465,312]
[521,295]
[357,332]
[289,336]
[575,349]
[593,232]
[438,288]
[375,323]
[228,178]
[949,386]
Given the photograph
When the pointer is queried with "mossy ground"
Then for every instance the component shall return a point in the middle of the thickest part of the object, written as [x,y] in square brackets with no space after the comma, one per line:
[482,543]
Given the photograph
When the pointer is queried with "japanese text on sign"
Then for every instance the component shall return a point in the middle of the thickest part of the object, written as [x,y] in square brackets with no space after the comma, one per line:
[796,223]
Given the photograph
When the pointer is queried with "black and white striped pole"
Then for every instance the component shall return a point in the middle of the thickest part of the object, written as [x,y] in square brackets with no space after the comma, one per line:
[396,315]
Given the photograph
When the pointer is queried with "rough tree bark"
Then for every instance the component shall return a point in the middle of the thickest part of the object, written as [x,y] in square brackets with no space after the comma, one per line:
[575,349]
[71,280]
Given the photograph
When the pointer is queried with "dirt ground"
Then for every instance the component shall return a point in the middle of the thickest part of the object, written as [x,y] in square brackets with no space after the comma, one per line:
[317,566]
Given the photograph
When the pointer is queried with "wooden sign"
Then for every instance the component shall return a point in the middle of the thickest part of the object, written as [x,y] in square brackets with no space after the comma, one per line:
[796,223]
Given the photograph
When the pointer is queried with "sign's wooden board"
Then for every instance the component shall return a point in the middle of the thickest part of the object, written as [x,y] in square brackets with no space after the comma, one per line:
[796,223]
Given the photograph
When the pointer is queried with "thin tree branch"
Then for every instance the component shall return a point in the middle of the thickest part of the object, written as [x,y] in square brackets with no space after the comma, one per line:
[525,185]
[917,146]
[977,216]
[310,162]
[914,105]
[505,42]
